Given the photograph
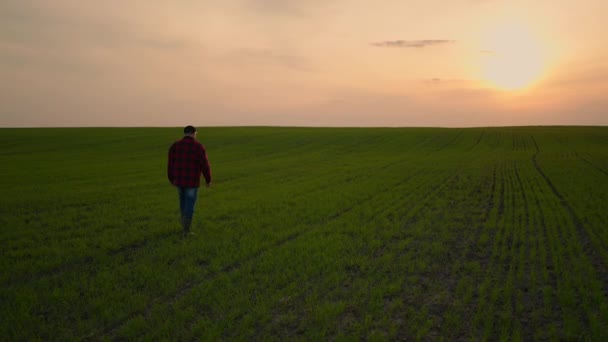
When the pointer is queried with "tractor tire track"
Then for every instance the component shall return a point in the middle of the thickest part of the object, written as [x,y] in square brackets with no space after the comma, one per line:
[451,140]
[478,140]
[526,266]
[85,261]
[548,271]
[587,244]
[490,205]
[504,253]
[588,162]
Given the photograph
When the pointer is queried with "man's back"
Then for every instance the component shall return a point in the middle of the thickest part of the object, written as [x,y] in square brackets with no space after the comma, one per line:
[187,160]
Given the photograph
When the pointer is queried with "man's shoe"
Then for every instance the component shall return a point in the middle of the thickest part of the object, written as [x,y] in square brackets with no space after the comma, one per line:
[188,234]
[186,224]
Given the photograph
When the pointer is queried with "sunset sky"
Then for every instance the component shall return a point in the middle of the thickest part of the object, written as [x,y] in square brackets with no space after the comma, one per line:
[449,63]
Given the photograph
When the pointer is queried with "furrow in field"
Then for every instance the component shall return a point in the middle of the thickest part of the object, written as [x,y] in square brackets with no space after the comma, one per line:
[478,139]
[590,163]
[589,199]
[491,203]
[527,302]
[548,315]
[495,271]
[559,243]
[552,261]
[463,255]
[570,260]
[507,260]
[504,208]
[583,235]
[428,141]
[478,252]
[473,260]
[409,217]
[467,256]
[435,143]
[512,259]
[575,300]
[85,261]
[451,141]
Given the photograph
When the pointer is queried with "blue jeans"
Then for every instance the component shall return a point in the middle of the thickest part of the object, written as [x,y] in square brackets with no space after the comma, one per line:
[187,199]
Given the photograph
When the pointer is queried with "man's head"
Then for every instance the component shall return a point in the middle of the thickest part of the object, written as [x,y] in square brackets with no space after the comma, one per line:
[190,131]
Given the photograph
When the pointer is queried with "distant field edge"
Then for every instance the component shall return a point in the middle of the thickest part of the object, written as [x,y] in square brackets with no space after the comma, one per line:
[295,126]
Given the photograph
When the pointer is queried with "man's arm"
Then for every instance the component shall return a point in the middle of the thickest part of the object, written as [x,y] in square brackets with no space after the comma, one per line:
[205,168]
[171,164]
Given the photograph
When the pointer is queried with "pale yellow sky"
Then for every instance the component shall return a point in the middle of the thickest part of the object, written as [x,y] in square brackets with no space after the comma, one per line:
[454,63]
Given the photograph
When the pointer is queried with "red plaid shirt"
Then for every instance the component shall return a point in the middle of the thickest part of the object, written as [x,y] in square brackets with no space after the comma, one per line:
[187,160]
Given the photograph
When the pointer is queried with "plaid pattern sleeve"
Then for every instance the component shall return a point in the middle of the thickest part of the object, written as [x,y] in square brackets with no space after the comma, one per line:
[187,160]
[205,168]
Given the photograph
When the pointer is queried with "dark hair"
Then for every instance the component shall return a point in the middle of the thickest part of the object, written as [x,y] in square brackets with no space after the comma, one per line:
[189,129]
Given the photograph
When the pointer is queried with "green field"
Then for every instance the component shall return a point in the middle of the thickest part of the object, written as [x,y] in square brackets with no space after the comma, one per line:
[308,233]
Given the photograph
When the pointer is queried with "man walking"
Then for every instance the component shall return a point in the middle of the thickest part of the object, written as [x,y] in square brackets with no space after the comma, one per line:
[187,160]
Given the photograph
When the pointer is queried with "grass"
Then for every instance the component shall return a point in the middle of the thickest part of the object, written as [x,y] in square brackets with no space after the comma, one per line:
[308,233]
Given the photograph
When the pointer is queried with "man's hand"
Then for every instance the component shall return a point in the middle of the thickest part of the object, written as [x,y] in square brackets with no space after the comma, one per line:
[208,184]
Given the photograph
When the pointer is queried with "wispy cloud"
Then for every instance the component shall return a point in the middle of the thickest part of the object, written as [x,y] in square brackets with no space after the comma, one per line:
[411,43]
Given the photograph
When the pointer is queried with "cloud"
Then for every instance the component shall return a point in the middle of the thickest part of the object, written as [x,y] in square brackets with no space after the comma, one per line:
[411,43]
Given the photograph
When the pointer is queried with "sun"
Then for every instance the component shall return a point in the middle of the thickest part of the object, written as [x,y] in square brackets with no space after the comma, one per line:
[513,58]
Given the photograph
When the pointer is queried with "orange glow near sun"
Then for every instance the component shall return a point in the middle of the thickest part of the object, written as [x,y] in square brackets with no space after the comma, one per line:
[513,58]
